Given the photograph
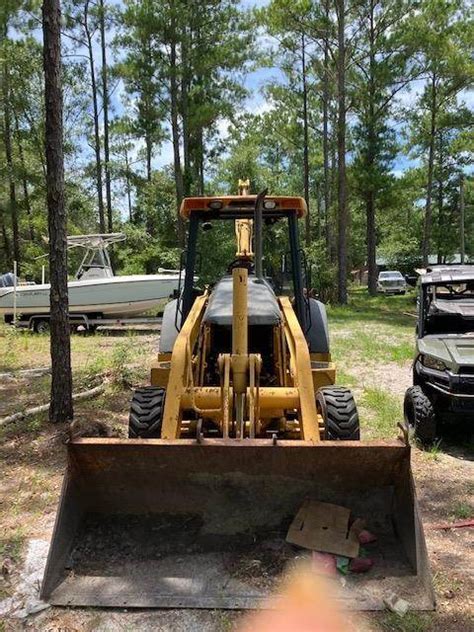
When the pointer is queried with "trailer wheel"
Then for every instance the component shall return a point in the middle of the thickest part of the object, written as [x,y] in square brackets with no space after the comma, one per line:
[337,406]
[419,414]
[146,413]
[41,326]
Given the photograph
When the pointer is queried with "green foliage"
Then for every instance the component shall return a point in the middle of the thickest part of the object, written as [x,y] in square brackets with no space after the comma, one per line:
[177,75]
[462,511]
[120,361]
[434,450]
[383,409]
[411,622]
[11,545]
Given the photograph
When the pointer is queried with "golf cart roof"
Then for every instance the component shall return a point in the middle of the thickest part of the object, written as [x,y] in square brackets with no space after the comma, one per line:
[445,274]
[242,206]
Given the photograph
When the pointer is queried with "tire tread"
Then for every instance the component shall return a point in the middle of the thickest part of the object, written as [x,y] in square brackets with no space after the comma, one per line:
[341,416]
[424,421]
[146,413]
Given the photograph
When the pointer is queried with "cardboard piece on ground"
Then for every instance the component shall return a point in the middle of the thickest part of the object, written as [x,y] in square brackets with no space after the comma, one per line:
[323,527]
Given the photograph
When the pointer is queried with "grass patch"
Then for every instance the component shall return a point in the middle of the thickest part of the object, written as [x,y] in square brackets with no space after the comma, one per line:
[411,622]
[345,379]
[380,308]
[384,411]
[33,424]
[377,349]
[433,451]
[370,344]
[11,546]
[462,511]
[444,583]
[21,349]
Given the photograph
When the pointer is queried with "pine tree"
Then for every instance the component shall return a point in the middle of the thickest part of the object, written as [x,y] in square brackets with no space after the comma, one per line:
[61,408]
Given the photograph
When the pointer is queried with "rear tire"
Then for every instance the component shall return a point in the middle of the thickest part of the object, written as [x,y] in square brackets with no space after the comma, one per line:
[146,413]
[419,414]
[337,406]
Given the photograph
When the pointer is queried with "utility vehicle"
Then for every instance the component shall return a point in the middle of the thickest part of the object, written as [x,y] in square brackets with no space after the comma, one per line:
[443,370]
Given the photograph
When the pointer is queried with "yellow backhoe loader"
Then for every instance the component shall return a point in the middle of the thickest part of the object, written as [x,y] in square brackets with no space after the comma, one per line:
[241,425]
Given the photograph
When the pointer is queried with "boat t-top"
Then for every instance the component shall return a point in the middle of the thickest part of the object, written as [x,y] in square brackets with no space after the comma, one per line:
[95,292]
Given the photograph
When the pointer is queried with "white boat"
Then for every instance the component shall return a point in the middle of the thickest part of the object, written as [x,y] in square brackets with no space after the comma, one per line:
[96,291]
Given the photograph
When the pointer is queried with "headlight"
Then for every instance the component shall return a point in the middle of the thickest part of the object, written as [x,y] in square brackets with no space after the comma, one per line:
[433,363]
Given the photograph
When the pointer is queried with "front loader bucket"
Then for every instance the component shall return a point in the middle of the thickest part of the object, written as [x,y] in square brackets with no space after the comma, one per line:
[182,524]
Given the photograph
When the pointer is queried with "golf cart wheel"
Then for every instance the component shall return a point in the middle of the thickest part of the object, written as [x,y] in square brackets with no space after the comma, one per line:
[419,414]
[339,411]
[146,413]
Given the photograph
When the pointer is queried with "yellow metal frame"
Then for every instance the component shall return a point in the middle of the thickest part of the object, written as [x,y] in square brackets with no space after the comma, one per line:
[181,367]
[282,202]
[263,403]
[300,371]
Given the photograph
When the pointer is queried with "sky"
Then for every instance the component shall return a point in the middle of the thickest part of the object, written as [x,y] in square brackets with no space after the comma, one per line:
[256,103]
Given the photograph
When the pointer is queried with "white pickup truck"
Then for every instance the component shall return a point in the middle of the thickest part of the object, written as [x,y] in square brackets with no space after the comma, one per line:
[391,282]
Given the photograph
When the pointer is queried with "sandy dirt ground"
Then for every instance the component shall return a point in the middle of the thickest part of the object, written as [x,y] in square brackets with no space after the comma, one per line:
[32,456]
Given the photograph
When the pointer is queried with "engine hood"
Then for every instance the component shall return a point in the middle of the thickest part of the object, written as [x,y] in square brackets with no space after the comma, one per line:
[453,351]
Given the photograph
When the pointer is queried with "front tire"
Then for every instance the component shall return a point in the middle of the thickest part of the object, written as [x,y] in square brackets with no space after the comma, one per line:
[146,413]
[419,414]
[339,411]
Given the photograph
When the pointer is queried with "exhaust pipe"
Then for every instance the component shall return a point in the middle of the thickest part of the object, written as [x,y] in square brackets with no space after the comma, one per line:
[258,234]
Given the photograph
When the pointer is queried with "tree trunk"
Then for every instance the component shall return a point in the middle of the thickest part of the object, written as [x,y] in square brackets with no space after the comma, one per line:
[187,174]
[178,174]
[440,254]
[201,167]
[199,163]
[327,183]
[105,112]
[334,186]
[462,219]
[305,141]
[370,164]
[429,186]
[7,138]
[61,408]
[98,160]
[341,155]
[148,153]
[128,186]
[6,241]
[26,195]
[371,243]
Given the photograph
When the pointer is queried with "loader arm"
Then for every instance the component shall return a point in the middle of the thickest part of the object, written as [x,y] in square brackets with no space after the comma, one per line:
[180,378]
[300,371]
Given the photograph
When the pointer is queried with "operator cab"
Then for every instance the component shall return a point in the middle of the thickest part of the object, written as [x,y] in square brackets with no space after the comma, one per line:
[242,208]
